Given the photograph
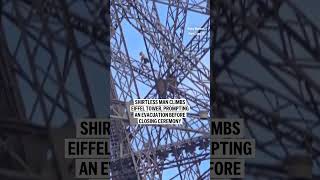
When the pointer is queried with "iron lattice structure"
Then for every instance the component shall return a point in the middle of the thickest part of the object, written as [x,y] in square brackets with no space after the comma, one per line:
[176,68]
[54,70]
[54,61]
[266,59]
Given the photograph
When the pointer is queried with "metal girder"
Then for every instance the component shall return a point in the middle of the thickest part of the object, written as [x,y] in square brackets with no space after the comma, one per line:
[201,6]
[56,43]
[49,71]
[127,75]
[170,47]
[265,73]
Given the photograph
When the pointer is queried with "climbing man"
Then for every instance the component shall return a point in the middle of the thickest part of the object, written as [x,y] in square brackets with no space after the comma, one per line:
[144,60]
